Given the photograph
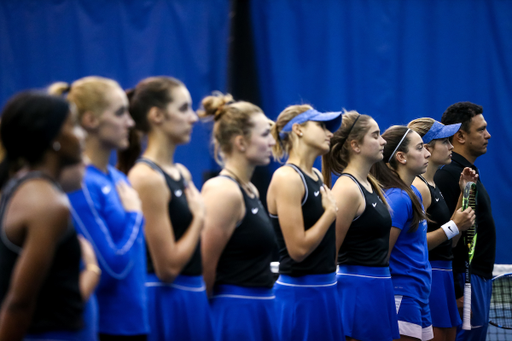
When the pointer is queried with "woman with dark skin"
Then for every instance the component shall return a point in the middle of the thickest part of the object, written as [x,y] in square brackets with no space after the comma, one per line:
[41,289]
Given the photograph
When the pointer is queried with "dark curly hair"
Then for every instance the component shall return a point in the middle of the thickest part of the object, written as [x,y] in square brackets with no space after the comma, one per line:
[461,112]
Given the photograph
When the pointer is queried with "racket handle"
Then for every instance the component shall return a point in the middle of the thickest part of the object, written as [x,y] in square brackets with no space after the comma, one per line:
[466,311]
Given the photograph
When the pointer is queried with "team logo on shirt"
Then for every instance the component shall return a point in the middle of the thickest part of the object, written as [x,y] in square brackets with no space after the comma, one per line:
[437,199]
[374,204]
[254,210]
[106,190]
[178,193]
[316,193]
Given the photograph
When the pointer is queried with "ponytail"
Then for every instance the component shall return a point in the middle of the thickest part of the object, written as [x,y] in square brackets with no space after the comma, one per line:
[126,158]
[284,144]
[230,119]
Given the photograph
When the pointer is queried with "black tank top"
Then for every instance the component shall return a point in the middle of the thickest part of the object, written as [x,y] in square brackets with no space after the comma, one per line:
[180,217]
[440,214]
[59,304]
[245,261]
[322,259]
[367,239]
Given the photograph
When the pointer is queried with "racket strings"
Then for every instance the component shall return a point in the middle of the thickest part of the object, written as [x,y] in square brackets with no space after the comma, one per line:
[500,313]
[471,232]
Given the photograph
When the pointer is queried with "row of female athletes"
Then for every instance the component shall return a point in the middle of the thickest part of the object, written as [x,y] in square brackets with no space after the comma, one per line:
[158,260]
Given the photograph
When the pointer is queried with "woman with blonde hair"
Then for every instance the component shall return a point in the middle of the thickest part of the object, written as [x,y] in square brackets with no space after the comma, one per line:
[303,210]
[107,210]
[363,224]
[174,211]
[238,240]
[442,302]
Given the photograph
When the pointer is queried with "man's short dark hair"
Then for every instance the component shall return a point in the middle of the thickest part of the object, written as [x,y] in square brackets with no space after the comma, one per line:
[461,112]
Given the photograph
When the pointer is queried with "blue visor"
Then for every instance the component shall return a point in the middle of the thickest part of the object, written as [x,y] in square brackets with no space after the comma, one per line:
[332,120]
[440,131]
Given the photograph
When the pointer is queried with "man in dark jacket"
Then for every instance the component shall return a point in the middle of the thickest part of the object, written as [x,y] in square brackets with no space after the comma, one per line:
[469,143]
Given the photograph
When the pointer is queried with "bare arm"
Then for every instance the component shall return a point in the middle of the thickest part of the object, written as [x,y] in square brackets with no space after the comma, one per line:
[425,192]
[350,204]
[224,208]
[169,256]
[285,194]
[45,222]
[394,233]
[90,275]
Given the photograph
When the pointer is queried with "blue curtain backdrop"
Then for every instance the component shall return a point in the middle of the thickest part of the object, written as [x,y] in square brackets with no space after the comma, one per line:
[62,40]
[396,61]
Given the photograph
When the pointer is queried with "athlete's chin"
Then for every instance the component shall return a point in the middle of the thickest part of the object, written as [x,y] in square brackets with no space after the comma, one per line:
[324,150]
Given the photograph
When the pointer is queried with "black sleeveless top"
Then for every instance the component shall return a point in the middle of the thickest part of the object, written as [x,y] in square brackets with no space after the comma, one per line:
[440,214]
[59,304]
[322,259]
[180,217]
[245,261]
[367,239]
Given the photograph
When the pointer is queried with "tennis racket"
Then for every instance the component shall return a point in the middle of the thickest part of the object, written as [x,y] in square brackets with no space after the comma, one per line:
[500,314]
[468,200]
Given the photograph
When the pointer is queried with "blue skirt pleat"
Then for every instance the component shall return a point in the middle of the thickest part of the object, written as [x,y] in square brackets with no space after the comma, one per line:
[442,301]
[241,313]
[178,310]
[367,302]
[308,308]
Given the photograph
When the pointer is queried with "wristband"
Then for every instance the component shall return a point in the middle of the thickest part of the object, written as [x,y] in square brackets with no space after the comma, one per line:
[450,229]
[93,268]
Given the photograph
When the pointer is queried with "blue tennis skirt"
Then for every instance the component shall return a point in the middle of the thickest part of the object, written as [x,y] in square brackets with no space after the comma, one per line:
[178,310]
[243,313]
[308,308]
[443,305]
[368,310]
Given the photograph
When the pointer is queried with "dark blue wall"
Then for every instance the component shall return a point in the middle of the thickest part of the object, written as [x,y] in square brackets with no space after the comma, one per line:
[63,40]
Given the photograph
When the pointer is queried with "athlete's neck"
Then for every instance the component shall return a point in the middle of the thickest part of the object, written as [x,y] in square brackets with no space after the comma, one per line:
[50,165]
[161,151]
[406,176]
[97,154]
[431,171]
[304,160]
[459,149]
[239,168]
[360,170]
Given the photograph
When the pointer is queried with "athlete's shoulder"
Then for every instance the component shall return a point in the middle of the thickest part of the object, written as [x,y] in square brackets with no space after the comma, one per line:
[93,177]
[417,192]
[143,175]
[397,197]
[222,186]
[287,174]
[184,172]
[347,186]
[116,174]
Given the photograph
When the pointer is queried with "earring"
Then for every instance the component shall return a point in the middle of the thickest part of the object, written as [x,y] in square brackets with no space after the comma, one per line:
[56,146]
[300,134]
[242,149]
[405,161]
